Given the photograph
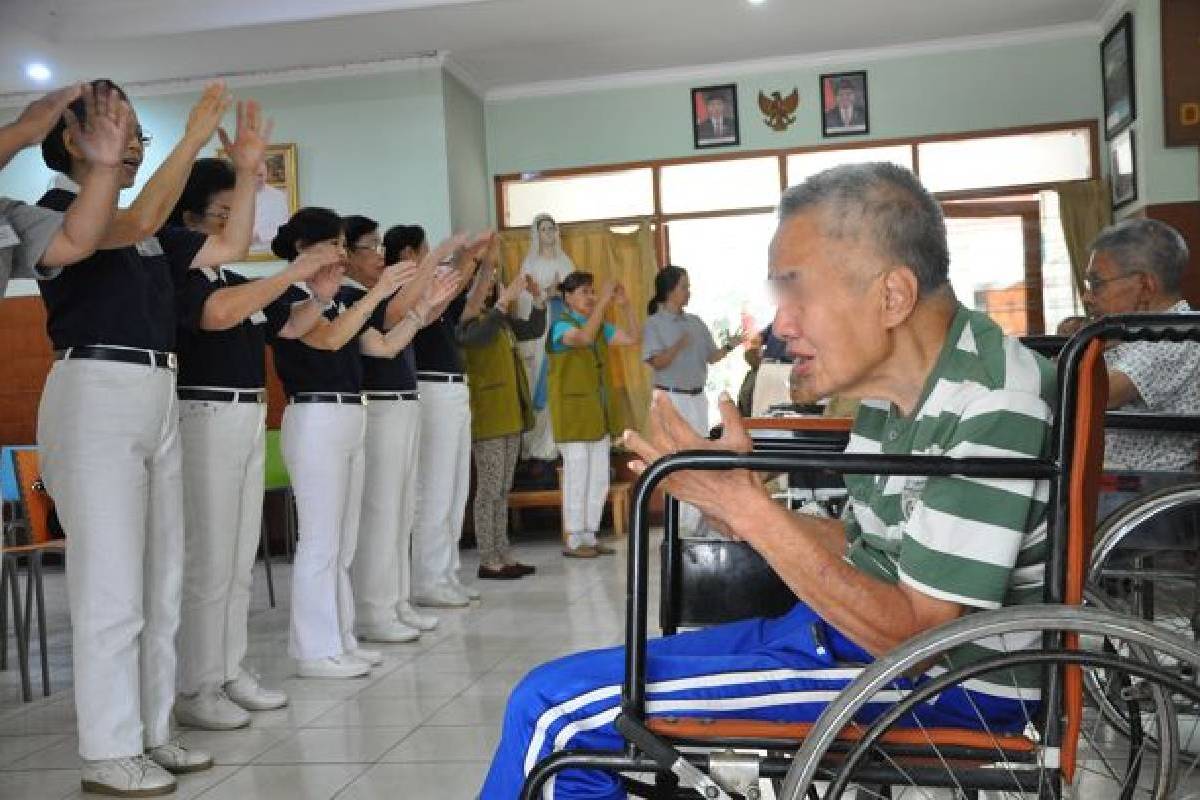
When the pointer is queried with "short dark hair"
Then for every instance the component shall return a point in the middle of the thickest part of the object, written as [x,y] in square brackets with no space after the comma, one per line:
[308,225]
[398,237]
[208,177]
[885,202]
[54,147]
[575,280]
[1146,245]
[357,226]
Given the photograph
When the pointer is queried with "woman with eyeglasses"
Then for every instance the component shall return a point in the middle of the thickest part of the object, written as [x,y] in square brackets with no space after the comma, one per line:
[323,429]
[380,573]
[225,322]
[109,443]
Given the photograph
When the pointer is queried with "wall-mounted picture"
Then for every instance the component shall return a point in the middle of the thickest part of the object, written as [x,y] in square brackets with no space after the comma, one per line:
[277,198]
[715,116]
[844,104]
[1122,163]
[1116,63]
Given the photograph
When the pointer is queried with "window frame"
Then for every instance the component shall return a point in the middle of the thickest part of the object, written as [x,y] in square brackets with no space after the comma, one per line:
[659,218]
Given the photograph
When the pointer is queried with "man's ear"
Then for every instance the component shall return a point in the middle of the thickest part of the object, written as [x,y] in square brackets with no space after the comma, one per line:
[901,290]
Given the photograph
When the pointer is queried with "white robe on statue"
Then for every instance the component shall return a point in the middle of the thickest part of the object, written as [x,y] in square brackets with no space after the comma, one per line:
[548,272]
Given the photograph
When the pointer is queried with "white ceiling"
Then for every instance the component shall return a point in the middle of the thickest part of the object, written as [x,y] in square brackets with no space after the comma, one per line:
[497,43]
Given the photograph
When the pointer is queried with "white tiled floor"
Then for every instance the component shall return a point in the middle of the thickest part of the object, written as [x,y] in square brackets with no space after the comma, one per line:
[421,726]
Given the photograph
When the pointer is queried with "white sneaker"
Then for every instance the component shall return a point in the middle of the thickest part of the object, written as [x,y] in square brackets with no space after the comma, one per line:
[370,657]
[394,632]
[247,692]
[470,591]
[175,757]
[441,595]
[413,618]
[137,776]
[343,666]
[210,710]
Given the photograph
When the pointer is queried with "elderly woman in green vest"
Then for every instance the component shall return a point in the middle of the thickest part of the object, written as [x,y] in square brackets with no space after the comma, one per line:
[584,412]
[501,409]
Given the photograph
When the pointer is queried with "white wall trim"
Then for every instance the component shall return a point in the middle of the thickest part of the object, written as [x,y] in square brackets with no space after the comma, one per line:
[724,70]
[234,80]
[1112,12]
[451,65]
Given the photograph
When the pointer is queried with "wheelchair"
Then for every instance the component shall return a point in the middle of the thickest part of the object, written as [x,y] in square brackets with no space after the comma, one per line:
[867,739]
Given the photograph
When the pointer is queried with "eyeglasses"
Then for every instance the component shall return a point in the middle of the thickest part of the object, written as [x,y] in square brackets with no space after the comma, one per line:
[143,137]
[221,215]
[1093,283]
[373,248]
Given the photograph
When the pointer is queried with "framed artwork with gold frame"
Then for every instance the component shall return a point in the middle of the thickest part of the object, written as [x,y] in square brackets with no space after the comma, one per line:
[276,199]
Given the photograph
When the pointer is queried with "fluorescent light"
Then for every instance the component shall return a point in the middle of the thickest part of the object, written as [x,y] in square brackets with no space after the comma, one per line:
[756,2]
[38,72]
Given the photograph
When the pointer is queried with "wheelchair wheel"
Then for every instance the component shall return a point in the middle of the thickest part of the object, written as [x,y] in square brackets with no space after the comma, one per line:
[880,744]
[1146,564]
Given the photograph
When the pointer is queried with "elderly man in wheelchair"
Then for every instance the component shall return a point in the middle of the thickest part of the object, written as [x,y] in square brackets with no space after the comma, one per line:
[859,267]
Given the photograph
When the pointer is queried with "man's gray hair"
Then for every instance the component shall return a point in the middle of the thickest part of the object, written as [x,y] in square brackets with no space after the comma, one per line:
[1146,245]
[883,201]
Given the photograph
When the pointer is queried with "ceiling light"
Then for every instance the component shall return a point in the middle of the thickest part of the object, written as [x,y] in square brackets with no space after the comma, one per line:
[756,2]
[38,72]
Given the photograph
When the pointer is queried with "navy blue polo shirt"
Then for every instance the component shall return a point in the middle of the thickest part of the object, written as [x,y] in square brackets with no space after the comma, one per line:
[397,374]
[304,369]
[434,345]
[232,358]
[121,297]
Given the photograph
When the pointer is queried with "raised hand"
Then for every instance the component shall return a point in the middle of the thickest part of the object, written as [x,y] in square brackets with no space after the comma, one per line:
[443,252]
[531,286]
[408,271]
[251,139]
[103,136]
[441,291]
[472,250]
[508,294]
[309,264]
[207,113]
[390,280]
[40,116]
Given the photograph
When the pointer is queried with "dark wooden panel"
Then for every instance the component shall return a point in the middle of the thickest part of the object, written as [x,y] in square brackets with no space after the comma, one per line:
[1181,72]
[1186,218]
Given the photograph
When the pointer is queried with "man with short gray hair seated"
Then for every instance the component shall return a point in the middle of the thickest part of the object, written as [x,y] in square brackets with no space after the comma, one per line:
[1138,266]
[859,266]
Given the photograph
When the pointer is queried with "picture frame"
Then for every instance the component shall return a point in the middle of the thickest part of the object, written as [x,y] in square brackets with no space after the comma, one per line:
[1122,163]
[715,121]
[845,106]
[277,197]
[1116,71]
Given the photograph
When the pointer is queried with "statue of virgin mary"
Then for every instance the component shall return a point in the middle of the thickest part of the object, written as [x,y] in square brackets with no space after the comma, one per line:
[548,265]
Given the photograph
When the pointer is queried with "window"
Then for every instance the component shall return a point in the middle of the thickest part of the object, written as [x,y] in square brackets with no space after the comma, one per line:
[720,185]
[1016,160]
[802,165]
[600,195]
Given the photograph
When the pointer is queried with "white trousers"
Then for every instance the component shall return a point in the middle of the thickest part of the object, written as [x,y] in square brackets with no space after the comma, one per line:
[382,568]
[694,409]
[323,449]
[223,451]
[108,435]
[443,482]
[585,484]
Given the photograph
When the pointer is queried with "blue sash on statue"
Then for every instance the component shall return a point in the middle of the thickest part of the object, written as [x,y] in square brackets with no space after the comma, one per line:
[555,309]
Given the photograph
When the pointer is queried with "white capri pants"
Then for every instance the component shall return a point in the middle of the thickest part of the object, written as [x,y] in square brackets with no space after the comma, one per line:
[223,452]
[443,482]
[108,435]
[323,448]
[584,484]
[381,575]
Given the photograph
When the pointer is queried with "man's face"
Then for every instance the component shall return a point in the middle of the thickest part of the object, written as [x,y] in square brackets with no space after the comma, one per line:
[829,307]
[845,97]
[1109,289]
[260,175]
[716,107]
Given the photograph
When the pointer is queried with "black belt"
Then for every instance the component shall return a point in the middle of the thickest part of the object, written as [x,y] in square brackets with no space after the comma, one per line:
[673,390]
[148,358]
[392,395]
[442,377]
[328,397]
[217,396]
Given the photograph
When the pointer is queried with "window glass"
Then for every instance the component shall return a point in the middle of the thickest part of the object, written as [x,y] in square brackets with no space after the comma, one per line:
[601,195]
[802,165]
[718,185]
[1014,160]
[987,268]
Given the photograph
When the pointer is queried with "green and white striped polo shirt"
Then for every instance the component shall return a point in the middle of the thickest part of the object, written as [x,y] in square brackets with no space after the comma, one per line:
[975,541]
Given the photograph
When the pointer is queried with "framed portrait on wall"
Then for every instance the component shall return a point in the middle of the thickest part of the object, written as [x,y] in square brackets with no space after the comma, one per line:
[1122,163]
[844,104]
[276,198]
[1116,65]
[715,116]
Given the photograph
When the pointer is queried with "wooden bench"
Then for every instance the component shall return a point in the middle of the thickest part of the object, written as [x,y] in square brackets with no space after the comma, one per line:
[618,498]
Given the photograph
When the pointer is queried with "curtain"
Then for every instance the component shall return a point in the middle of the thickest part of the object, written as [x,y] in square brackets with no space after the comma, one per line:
[1085,208]
[625,257]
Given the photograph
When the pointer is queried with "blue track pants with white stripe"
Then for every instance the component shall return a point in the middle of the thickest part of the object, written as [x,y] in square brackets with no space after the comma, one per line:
[784,669]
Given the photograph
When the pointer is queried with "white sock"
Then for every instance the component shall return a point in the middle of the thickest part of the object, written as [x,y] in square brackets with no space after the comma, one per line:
[588,538]
[575,540]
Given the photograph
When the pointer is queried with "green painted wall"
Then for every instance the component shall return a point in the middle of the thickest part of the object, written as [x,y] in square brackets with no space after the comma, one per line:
[909,96]
[466,150]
